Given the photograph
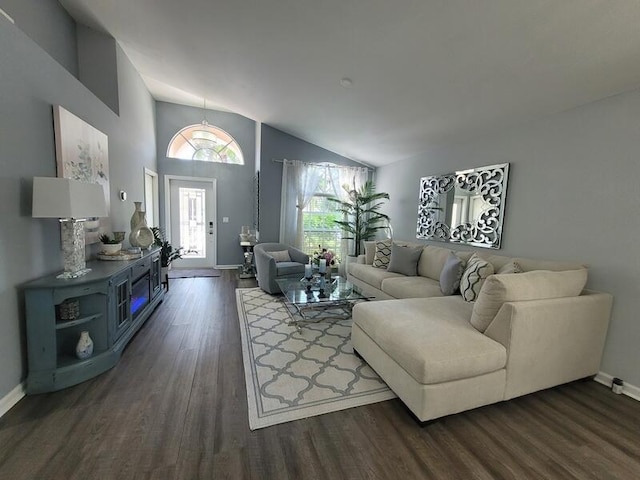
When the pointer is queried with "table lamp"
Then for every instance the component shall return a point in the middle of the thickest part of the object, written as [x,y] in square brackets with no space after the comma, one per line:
[72,202]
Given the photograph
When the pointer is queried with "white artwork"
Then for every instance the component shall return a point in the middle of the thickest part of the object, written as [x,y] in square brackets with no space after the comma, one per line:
[82,153]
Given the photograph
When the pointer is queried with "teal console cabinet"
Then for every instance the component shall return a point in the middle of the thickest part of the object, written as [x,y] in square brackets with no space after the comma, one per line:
[111,302]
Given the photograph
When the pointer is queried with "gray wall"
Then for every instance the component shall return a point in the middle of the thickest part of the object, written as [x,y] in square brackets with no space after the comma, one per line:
[98,65]
[277,145]
[49,25]
[573,195]
[31,81]
[234,183]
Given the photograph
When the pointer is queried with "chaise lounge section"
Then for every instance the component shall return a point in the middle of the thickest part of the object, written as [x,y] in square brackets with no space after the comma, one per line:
[443,355]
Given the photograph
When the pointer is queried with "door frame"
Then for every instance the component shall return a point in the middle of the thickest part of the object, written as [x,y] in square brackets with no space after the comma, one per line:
[154,193]
[214,214]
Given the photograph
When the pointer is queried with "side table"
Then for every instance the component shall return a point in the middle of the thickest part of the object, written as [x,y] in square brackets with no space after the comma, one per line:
[247,269]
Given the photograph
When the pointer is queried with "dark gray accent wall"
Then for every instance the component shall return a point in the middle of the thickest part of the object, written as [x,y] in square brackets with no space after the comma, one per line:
[278,145]
[98,65]
[31,82]
[572,195]
[49,25]
[234,183]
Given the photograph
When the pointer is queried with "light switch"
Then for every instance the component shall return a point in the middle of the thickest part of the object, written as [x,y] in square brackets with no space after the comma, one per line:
[225,219]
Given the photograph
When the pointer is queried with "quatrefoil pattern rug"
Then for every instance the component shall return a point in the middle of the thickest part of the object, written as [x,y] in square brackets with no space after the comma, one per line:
[293,374]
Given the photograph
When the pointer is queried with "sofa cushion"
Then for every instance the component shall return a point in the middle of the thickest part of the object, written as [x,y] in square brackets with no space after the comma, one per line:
[411,287]
[280,255]
[370,274]
[430,338]
[404,260]
[369,252]
[528,265]
[474,275]
[510,267]
[451,274]
[383,254]
[535,285]
[285,269]
[431,261]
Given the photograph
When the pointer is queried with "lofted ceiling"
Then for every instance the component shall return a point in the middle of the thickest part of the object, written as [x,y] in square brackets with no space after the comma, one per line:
[423,72]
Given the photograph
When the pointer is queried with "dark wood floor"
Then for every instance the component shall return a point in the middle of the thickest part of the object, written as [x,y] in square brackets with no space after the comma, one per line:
[175,408]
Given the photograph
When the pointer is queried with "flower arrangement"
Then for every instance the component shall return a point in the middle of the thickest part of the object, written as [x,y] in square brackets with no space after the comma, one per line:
[325,254]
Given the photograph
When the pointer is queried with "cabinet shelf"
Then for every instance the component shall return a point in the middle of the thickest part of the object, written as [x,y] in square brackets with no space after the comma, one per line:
[77,321]
[65,360]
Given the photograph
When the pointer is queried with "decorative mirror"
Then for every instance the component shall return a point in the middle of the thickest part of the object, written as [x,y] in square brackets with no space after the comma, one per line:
[464,207]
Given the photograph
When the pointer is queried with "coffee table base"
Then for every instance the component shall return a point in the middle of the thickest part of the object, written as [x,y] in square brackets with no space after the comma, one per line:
[342,312]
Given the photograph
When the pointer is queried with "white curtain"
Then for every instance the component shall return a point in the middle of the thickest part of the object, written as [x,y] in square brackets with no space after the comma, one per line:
[299,184]
[349,176]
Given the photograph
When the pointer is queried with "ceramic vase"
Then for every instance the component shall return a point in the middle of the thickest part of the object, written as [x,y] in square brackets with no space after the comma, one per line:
[141,235]
[138,213]
[84,348]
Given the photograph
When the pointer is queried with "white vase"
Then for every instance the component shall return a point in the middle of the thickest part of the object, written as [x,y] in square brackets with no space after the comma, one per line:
[137,215]
[141,235]
[84,348]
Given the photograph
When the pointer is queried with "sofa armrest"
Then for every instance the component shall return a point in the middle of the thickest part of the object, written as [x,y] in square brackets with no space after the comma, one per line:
[298,255]
[265,270]
[361,259]
[552,341]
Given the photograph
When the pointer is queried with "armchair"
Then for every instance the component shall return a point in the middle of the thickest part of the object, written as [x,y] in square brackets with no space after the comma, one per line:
[268,270]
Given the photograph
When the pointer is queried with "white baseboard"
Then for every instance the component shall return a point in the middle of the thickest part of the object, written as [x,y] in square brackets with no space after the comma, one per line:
[227,267]
[628,389]
[11,398]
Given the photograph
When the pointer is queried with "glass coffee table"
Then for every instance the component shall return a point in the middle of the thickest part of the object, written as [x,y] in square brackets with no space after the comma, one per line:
[335,301]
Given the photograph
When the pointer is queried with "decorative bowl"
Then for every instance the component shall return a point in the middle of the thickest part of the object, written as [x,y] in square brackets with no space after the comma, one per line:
[111,248]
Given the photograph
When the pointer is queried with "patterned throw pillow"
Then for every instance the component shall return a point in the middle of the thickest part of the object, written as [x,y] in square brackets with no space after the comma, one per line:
[383,254]
[473,277]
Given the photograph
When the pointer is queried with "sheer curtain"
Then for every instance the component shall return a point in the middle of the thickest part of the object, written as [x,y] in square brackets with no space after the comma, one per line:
[299,184]
[352,177]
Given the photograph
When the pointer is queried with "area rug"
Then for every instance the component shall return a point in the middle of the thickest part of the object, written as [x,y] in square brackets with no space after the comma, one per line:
[193,272]
[293,374]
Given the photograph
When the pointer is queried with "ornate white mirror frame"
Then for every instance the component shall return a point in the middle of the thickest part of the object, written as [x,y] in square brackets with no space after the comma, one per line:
[464,207]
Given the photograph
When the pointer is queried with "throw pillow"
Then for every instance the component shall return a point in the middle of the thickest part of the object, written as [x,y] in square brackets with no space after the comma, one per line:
[281,256]
[404,260]
[451,274]
[535,285]
[473,277]
[510,267]
[383,254]
[369,252]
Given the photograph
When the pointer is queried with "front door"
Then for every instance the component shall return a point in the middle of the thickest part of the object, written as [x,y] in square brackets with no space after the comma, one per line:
[192,207]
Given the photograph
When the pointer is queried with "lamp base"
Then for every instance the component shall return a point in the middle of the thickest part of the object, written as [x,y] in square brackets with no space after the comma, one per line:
[73,247]
[77,274]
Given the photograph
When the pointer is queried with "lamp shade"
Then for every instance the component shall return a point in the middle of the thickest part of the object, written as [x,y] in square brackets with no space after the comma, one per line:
[66,198]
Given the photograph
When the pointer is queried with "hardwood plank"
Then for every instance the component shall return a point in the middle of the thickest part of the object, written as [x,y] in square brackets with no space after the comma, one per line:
[175,408]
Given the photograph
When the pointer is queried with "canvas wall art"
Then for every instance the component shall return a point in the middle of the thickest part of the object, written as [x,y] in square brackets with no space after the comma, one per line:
[82,153]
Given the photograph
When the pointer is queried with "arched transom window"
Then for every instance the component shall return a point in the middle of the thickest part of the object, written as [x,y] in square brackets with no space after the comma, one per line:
[205,143]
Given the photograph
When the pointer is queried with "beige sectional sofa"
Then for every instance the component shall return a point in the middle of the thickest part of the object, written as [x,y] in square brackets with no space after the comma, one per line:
[442,355]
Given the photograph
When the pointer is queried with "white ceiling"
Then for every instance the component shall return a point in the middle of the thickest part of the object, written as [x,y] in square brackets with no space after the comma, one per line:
[424,72]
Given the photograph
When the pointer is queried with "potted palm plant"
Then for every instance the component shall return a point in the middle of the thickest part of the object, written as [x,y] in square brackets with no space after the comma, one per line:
[360,212]
[167,252]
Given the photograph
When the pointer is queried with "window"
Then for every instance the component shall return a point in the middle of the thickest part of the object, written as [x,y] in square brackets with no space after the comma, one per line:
[192,222]
[205,143]
[318,217]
